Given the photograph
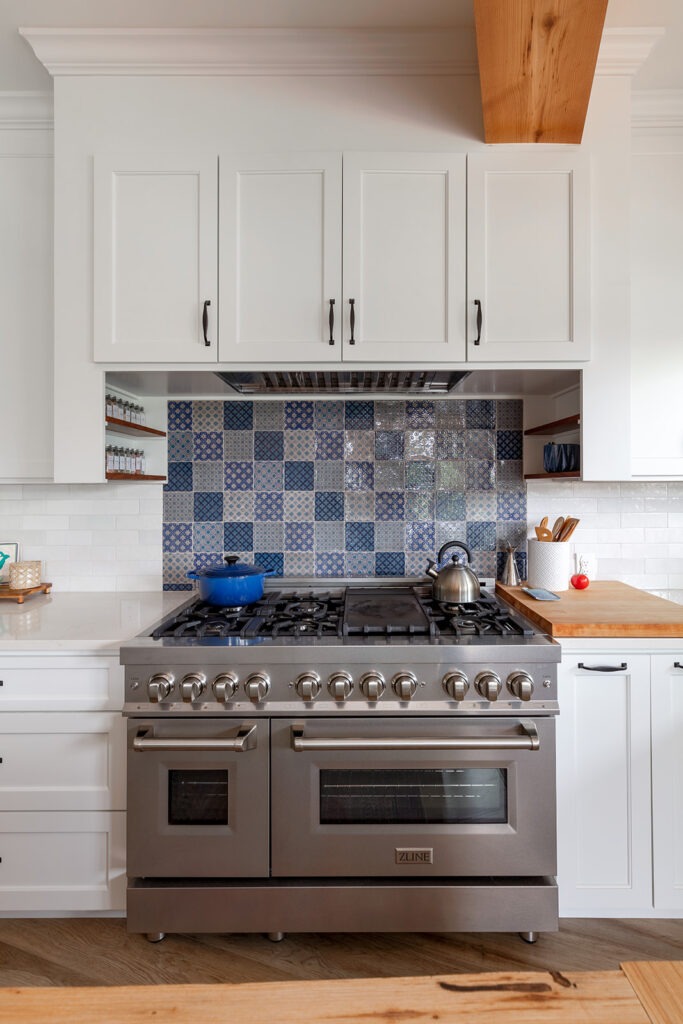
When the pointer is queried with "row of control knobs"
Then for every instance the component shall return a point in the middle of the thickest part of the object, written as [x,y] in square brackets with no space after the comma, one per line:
[308,686]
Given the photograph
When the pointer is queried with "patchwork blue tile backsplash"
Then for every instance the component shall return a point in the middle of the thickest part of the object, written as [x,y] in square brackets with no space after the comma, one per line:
[342,488]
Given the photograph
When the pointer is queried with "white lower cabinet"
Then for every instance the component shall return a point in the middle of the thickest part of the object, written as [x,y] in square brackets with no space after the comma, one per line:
[62,784]
[620,784]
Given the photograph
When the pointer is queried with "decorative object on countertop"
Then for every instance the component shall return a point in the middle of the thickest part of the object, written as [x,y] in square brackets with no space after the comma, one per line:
[455,582]
[548,565]
[9,552]
[23,575]
[7,594]
[510,573]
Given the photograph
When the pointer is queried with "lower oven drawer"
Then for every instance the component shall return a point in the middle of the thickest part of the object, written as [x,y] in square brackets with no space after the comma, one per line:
[198,798]
[416,798]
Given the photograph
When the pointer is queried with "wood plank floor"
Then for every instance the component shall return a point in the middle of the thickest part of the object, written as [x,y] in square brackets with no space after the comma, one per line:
[88,951]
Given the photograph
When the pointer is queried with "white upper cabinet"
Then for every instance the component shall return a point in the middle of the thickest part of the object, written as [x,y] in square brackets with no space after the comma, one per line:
[280,245]
[404,256]
[155,259]
[528,249]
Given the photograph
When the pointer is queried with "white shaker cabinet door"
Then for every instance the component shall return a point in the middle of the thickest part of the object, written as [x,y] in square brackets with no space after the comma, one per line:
[528,249]
[603,780]
[404,257]
[155,259]
[667,780]
[280,253]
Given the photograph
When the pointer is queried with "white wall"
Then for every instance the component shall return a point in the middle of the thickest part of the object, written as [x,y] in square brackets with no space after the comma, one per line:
[88,536]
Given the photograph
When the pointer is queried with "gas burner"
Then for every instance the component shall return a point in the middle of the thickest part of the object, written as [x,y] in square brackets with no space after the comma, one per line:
[309,609]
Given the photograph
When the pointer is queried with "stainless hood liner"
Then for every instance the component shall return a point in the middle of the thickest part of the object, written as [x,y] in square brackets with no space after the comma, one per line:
[269,382]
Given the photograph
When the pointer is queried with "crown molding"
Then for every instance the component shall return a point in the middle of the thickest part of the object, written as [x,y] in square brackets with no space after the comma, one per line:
[264,51]
[26,111]
[653,109]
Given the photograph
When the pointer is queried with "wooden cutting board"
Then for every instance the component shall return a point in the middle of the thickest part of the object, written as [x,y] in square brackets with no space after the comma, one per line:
[605,608]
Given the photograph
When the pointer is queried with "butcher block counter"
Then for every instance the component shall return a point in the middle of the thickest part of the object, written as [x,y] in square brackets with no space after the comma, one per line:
[606,608]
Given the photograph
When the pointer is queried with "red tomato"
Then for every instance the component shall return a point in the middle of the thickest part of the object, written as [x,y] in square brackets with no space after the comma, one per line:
[579,581]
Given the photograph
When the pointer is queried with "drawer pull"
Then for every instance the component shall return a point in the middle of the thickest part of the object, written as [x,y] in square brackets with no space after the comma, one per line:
[245,740]
[604,668]
[677,664]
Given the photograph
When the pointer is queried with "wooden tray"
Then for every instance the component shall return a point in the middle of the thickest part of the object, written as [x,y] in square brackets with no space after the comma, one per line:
[20,595]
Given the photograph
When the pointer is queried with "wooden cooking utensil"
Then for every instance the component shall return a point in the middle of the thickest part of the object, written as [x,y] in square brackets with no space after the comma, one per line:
[544,522]
[543,533]
[570,525]
[557,527]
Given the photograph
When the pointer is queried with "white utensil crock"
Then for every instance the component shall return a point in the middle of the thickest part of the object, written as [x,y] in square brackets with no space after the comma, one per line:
[549,565]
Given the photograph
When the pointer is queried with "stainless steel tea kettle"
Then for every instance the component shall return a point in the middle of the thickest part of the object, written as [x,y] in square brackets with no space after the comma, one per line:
[455,582]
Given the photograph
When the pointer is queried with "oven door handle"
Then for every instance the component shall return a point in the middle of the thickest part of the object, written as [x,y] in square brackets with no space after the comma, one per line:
[528,739]
[245,740]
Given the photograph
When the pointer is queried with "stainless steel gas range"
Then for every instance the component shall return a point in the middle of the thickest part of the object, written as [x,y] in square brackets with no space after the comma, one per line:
[353,759]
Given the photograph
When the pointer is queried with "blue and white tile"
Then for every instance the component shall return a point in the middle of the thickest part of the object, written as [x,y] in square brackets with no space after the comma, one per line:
[329,415]
[329,476]
[451,474]
[299,506]
[238,506]
[390,415]
[299,415]
[329,536]
[420,444]
[389,476]
[269,415]
[329,563]
[481,505]
[238,476]
[178,507]
[299,475]
[511,532]
[176,565]
[359,563]
[450,505]
[329,445]
[268,506]
[299,563]
[419,507]
[208,446]
[389,505]
[481,536]
[446,531]
[299,445]
[390,445]
[329,505]
[360,536]
[180,446]
[238,445]
[450,444]
[359,415]
[480,475]
[269,536]
[359,476]
[512,505]
[509,413]
[208,506]
[484,563]
[420,414]
[390,563]
[272,561]
[420,476]
[207,415]
[420,537]
[179,476]
[208,476]
[389,536]
[207,559]
[238,415]
[359,505]
[269,476]
[480,444]
[238,536]
[480,414]
[207,537]
[177,537]
[299,536]
[269,445]
[416,562]
[179,415]
[509,444]
[359,445]
[510,475]
[451,414]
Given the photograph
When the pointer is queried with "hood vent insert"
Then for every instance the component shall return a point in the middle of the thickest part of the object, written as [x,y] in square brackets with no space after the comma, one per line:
[343,382]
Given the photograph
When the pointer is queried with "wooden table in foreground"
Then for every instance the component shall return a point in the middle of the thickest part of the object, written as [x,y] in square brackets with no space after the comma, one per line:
[639,993]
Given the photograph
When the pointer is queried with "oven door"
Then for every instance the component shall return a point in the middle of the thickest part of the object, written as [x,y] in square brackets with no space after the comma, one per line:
[417,797]
[197,798]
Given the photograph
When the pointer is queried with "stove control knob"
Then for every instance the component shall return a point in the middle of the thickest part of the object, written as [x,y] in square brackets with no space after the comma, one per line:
[488,684]
[159,687]
[456,685]
[257,686]
[340,685]
[404,684]
[307,685]
[192,687]
[372,685]
[521,685]
[224,686]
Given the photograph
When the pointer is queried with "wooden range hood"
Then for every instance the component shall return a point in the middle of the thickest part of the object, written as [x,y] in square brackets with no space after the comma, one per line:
[536,64]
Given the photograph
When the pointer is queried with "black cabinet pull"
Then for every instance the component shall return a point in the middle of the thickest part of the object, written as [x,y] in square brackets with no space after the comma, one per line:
[205,321]
[352,304]
[331,322]
[603,668]
[677,664]
[477,340]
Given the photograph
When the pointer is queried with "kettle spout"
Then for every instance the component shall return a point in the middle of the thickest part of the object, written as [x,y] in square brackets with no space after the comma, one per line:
[432,569]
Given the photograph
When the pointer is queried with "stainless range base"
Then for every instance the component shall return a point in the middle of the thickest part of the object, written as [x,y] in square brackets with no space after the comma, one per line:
[361,905]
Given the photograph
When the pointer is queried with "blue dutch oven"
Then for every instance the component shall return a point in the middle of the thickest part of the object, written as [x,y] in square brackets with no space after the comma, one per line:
[233,584]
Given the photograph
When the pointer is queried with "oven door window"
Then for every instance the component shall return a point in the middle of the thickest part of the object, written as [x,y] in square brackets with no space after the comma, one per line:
[197,797]
[430,796]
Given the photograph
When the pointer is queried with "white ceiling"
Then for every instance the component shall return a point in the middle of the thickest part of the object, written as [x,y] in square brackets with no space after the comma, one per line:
[20,70]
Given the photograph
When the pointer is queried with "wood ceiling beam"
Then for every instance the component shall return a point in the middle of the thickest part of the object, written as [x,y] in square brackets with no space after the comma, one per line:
[536,65]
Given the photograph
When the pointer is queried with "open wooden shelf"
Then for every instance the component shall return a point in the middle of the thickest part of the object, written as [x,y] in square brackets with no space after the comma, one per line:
[572,474]
[133,476]
[562,426]
[117,426]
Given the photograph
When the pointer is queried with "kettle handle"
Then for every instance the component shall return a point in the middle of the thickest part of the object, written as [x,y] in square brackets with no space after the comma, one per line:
[453,544]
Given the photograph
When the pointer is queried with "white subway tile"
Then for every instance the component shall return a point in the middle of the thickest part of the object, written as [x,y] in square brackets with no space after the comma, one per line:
[153,581]
[96,552]
[47,522]
[10,491]
[675,519]
[92,522]
[91,583]
[143,552]
[596,489]
[645,519]
[644,581]
[140,522]
[670,565]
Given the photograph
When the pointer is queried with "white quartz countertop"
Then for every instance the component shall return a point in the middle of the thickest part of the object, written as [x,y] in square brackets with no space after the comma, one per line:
[82,622]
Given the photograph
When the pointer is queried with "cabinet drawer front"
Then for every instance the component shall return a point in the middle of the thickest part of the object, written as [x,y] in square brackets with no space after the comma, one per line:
[56,684]
[64,762]
[56,861]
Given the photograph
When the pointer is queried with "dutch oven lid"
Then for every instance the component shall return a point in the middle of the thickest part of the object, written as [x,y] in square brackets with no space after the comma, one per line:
[232,570]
